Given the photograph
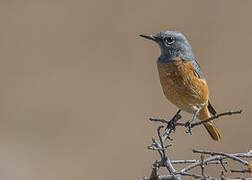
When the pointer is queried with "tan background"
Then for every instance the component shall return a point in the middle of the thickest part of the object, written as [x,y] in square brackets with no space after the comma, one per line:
[78,84]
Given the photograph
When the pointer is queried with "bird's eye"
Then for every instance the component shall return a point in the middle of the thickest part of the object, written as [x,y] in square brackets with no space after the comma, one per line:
[169,40]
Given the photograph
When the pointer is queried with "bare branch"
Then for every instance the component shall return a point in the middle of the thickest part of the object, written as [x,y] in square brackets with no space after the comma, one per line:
[192,175]
[171,125]
[202,166]
[240,171]
[244,155]
[230,156]
[215,157]
[183,161]
[154,172]
[223,166]
[218,157]
[216,117]
[161,177]
[210,119]
[190,167]
[194,161]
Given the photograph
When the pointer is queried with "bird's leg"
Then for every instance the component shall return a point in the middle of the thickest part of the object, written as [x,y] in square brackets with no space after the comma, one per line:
[172,124]
[189,123]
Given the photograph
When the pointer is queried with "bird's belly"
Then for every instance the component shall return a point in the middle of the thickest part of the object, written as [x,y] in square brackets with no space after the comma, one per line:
[181,86]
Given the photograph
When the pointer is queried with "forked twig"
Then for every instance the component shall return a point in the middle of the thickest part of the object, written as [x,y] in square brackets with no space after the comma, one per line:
[215,157]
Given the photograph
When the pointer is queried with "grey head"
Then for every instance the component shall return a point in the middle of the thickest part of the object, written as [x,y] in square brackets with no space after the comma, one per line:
[174,44]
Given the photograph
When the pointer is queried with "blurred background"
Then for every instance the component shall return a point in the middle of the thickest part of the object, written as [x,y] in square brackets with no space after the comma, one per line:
[78,84]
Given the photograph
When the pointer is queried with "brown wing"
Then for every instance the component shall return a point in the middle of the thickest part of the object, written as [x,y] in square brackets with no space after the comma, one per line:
[196,73]
[211,108]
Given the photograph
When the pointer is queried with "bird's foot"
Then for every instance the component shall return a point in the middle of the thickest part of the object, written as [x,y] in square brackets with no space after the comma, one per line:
[188,124]
[171,125]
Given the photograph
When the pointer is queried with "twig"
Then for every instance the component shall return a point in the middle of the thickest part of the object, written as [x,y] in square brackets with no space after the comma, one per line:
[216,157]
[183,161]
[177,116]
[190,167]
[194,161]
[154,172]
[244,155]
[171,125]
[210,119]
[202,166]
[230,156]
[165,161]
[240,171]
[192,175]
[223,166]
[160,177]
[216,117]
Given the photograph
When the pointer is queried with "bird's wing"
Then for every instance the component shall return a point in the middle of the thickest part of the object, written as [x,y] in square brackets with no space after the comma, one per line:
[197,68]
[198,71]
[199,74]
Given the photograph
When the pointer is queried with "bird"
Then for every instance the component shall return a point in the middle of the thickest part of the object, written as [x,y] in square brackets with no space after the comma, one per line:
[182,79]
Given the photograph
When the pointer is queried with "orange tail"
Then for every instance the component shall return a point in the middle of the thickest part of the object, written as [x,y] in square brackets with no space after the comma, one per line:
[210,126]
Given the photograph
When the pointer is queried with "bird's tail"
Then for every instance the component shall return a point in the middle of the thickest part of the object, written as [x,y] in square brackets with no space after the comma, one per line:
[210,126]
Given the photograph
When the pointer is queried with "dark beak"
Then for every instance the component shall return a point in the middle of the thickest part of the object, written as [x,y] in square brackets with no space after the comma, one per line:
[147,36]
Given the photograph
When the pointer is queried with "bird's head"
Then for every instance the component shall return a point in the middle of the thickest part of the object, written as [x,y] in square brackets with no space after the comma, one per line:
[172,44]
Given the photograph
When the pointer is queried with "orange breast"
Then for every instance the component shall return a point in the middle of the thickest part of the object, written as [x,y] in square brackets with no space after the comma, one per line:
[182,86]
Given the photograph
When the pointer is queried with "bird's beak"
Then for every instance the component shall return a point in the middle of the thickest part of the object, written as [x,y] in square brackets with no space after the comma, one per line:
[148,36]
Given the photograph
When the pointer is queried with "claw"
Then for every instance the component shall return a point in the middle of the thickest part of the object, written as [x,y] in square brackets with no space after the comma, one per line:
[189,123]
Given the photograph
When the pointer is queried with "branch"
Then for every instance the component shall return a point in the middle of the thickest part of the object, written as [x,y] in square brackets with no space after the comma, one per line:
[216,117]
[197,164]
[173,123]
[196,176]
[219,157]
[210,119]
[225,155]
[161,177]
[240,171]
[194,161]
[216,157]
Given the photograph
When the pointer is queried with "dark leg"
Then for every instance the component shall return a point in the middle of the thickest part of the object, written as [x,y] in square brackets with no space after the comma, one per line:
[172,124]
